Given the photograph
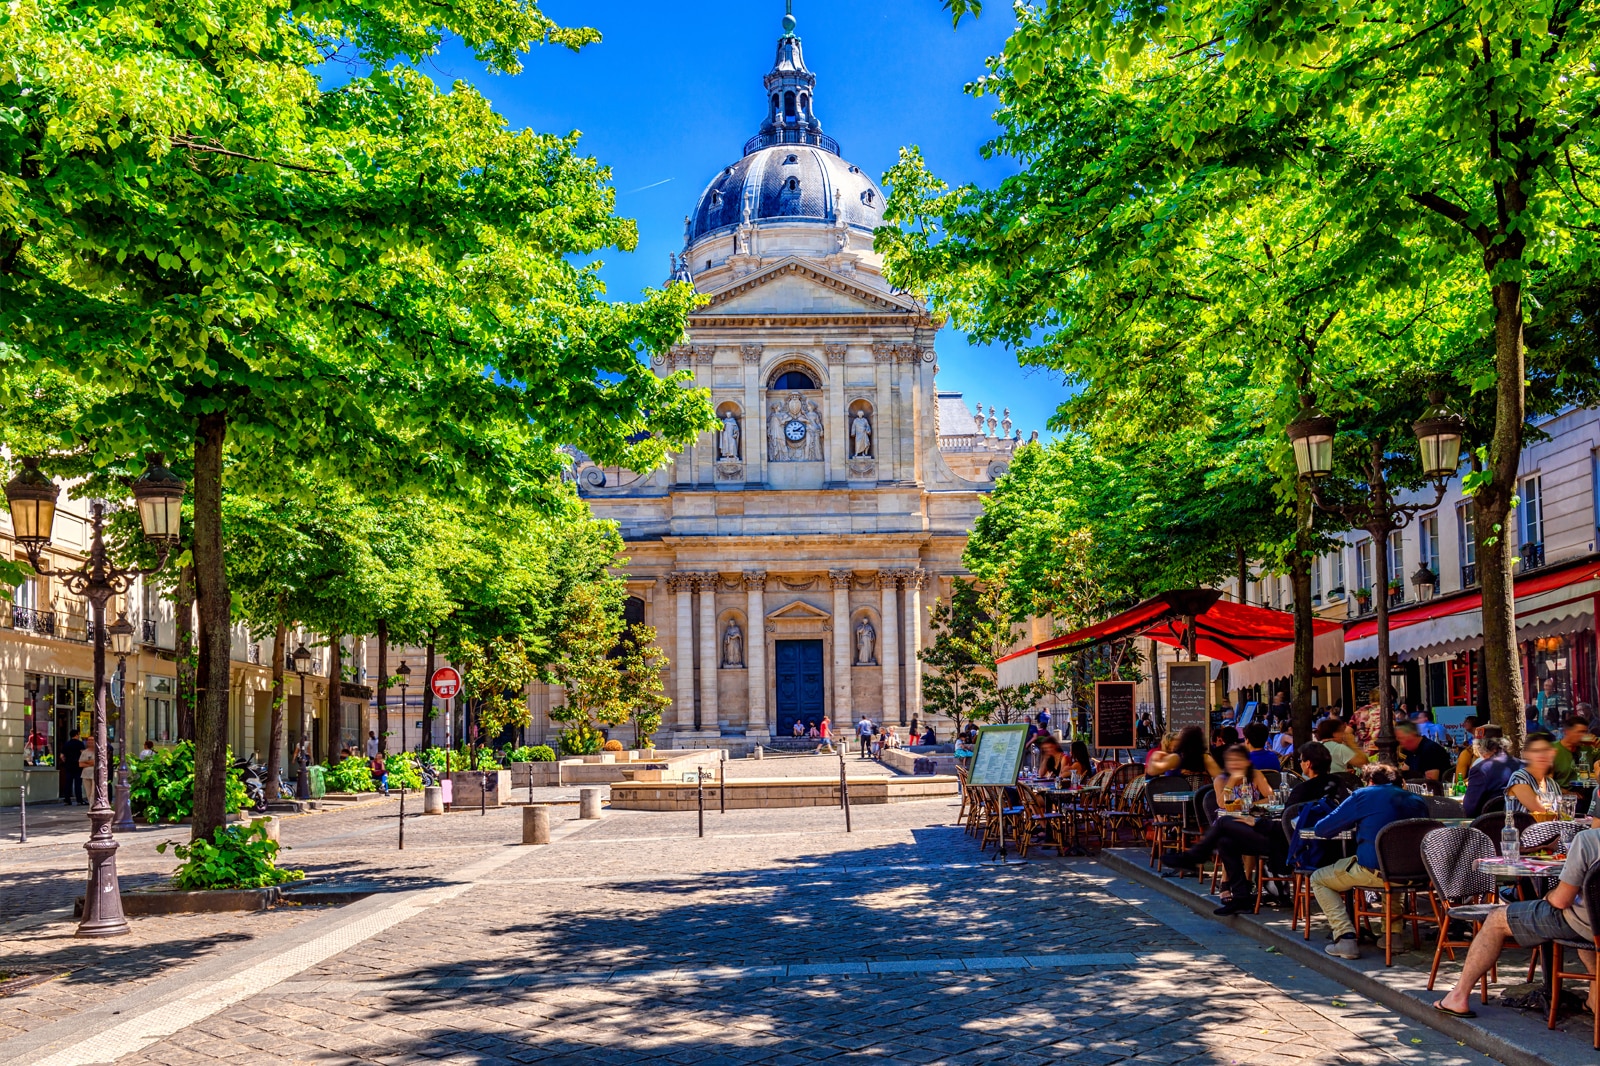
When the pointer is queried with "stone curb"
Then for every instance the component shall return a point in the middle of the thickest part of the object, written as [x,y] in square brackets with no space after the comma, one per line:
[1515,1045]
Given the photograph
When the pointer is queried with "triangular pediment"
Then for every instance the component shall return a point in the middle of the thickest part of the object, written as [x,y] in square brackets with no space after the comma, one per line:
[796,286]
[799,610]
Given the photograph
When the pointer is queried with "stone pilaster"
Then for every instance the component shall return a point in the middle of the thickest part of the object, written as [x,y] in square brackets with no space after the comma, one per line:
[883,421]
[843,653]
[915,579]
[706,583]
[889,645]
[755,418]
[755,593]
[839,419]
[682,587]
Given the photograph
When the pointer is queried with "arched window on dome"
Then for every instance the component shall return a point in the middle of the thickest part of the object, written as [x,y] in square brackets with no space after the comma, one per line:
[788,105]
[716,198]
[793,379]
[805,103]
[792,185]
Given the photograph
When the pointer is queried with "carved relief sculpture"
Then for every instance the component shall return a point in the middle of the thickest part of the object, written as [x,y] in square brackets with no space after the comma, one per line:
[860,436]
[733,645]
[794,430]
[866,640]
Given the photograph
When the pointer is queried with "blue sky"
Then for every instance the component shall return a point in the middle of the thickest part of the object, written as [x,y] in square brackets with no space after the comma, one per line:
[670,95]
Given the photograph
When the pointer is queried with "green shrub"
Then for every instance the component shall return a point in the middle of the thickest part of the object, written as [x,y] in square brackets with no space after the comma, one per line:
[236,856]
[350,775]
[581,739]
[403,772]
[162,786]
[531,753]
[433,758]
[487,760]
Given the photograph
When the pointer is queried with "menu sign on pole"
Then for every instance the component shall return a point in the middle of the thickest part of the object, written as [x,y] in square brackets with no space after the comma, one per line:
[1113,715]
[1189,695]
[999,754]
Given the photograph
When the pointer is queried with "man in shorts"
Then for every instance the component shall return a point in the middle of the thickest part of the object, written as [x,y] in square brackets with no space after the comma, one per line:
[1561,915]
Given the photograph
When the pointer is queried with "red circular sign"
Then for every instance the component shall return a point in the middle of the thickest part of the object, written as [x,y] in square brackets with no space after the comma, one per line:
[446,682]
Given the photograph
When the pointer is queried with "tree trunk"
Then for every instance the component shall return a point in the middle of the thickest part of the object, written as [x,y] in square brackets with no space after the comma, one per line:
[383,689]
[1497,539]
[275,738]
[1160,719]
[1304,635]
[183,620]
[1243,565]
[335,694]
[427,698]
[211,594]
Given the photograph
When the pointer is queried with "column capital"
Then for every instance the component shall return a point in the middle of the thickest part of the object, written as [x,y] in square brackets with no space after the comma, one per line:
[915,578]
[841,578]
[680,581]
[888,579]
[883,351]
[751,353]
[907,353]
[706,581]
[835,353]
[704,354]
[755,581]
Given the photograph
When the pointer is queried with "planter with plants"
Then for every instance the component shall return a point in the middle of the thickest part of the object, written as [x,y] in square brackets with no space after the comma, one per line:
[350,775]
[467,786]
[533,766]
[161,788]
[236,870]
[1363,597]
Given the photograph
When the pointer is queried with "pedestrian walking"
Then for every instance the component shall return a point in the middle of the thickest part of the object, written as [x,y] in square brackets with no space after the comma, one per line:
[86,771]
[68,772]
[372,744]
[864,731]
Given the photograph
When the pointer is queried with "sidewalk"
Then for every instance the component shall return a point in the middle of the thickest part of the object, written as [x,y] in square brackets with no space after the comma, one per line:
[1516,1037]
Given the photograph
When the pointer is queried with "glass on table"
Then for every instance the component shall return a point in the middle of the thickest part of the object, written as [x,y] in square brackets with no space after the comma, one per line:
[1569,808]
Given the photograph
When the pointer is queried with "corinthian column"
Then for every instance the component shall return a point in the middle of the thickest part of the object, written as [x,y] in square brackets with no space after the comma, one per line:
[709,640]
[682,587]
[843,714]
[889,644]
[755,654]
[914,579]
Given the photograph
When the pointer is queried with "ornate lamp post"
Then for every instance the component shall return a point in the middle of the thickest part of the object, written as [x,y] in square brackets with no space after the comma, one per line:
[31,497]
[1425,581]
[1438,435]
[302,784]
[121,634]
[403,672]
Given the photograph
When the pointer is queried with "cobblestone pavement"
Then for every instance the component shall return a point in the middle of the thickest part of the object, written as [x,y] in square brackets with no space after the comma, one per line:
[776,939]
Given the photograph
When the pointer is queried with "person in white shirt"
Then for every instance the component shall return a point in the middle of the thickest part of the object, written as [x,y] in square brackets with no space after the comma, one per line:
[372,744]
[1282,745]
[864,731]
[1331,734]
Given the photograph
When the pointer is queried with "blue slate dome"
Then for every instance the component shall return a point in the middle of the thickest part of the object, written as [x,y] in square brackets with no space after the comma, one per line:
[791,170]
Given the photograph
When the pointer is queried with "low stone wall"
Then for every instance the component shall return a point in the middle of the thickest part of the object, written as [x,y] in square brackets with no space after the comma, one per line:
[466,788]
[608,768]
[779,792]
[904,760]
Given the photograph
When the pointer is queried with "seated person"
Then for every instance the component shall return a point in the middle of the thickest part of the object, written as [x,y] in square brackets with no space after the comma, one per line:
[1163,758]
[1255,740]
[1490,774]
[1367,810]
[1315,766]
[1420,758]
[1561,915]
[1468,754]
[1192,756]
[1052,759]
[1081,760]
[1533,788]
[1575,736]
[1282,745]
[1221,741]
[1231,838]
[1332,734]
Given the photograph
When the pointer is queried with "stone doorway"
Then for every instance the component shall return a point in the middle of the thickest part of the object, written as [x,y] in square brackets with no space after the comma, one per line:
[799,684]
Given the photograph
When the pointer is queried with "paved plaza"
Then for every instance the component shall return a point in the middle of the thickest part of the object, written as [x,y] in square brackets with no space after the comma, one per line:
[778,938]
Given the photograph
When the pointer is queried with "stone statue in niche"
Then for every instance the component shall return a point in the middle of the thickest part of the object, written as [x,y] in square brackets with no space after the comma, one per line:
[728,439]
[866,638]
[733,645]
[860,436]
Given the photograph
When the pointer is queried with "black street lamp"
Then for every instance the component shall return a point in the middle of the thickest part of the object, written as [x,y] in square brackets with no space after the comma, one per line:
[31,497]
[1438,435]
[1425,582]
[403,672]
[302,784]
[121,634]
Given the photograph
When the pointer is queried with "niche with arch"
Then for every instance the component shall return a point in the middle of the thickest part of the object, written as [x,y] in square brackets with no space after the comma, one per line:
[732,640]
[861,431]
[865,634]
[793,412]
[730,436]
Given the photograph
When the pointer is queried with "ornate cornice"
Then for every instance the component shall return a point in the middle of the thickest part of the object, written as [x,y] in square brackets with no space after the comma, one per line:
[751,353]
[835,353]
[840,578]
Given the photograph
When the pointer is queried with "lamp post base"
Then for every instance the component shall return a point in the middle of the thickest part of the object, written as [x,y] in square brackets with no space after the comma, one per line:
[124,819]
[102,897]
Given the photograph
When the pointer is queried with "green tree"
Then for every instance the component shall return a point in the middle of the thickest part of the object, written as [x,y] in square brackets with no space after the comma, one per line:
[642,692]
[376,278]
[971,631]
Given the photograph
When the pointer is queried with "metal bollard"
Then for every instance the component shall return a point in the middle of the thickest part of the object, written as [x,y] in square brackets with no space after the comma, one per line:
[536,825]
[700,795]
[483,795]
[844,795]
[402,846]
[722,782]
[24,798]
[589,803]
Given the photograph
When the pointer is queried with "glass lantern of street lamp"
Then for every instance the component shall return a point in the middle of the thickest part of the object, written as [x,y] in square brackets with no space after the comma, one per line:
[159,494]
[404,672]
[1425,581]
[121,634]
[1439,439]
[31,497]
[302,659]
[1311,434]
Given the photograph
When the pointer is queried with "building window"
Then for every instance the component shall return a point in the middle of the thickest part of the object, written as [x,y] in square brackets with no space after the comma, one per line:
[1532,523]
[793,379]
[1338,574]
[1316,580]
[160,720]
[1364,565]
[1428,542]
[1467,534]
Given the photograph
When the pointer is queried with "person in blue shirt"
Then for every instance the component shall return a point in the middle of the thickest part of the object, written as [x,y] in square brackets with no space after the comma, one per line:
[1367,811]
[1491,774]
[1255,738]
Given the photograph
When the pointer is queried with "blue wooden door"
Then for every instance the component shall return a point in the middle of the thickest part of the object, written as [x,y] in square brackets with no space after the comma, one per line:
[799,684]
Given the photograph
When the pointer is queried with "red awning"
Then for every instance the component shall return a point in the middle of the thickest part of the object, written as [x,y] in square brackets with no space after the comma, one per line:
[1224,630]
[1524,585]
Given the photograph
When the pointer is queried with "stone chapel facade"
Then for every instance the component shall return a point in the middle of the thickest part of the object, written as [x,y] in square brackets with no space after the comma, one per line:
[787,558]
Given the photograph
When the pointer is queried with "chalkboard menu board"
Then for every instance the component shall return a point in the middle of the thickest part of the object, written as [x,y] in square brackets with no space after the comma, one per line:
[1189,695]
[1365,684]
[999,754]
[1113,715]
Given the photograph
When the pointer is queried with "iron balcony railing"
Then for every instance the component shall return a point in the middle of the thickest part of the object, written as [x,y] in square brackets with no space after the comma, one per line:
[786,136]
[30,620]
[147,631]
[1532,556]
[1469,575]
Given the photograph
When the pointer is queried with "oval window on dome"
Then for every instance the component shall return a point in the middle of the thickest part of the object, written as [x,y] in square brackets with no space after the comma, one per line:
[791,159]
[794,379]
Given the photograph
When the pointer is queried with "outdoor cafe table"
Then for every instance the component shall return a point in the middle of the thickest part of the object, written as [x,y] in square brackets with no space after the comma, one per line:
[1308,832]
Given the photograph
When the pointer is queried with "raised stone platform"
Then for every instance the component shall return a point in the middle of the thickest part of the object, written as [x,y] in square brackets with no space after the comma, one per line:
[904,760]
[611,767]
[779,792]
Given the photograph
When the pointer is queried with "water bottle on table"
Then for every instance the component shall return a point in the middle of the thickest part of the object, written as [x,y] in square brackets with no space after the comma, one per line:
[1510,839]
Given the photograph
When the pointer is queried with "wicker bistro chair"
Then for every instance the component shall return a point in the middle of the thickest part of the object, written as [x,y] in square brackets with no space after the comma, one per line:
[1461,892]
[1167,820]
[1543,835]
[1123,811]
[1491,822]
[1558,972]
[1014,817]
[1399,847]
[1053,826]
[964,815]
[1299,876]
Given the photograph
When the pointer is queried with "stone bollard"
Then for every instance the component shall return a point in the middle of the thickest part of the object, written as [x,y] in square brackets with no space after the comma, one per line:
[432,799]
[589,803]
[536,824]
[272,823]
[758,751]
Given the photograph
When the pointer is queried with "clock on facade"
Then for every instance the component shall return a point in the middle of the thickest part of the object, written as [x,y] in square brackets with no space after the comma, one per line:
[795,430]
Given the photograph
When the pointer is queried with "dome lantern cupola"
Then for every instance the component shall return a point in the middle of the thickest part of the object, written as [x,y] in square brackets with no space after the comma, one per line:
[790,89]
